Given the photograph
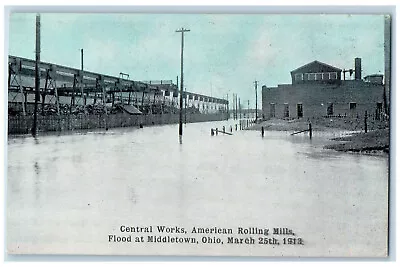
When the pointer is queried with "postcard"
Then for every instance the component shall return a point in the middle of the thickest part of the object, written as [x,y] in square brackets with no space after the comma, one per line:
[198,134]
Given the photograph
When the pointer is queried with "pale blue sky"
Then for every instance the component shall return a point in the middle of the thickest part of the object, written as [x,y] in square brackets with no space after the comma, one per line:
[222,52]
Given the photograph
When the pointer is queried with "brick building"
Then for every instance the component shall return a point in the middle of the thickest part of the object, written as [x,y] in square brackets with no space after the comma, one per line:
[318,90]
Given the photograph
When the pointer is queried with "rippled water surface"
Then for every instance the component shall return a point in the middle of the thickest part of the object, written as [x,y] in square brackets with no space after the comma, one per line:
[67,192]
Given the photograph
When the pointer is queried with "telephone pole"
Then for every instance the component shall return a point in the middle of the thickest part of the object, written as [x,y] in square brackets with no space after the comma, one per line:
[255,86]
[233,106]
[236,109]
[227,106]
[182,31]
[185,105]
[37,75]
[248,108]
[240,110]
[81,81]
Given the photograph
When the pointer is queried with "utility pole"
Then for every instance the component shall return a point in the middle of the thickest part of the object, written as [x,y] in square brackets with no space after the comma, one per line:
[233,105]
[182,31]
[227,106]
[81,81]
[240,110]
[387,38]
[185,104]
[37,75]
[248,108]
[255,86]
[236,102]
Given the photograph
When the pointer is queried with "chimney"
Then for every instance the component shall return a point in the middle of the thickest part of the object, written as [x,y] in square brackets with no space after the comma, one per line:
[357,63]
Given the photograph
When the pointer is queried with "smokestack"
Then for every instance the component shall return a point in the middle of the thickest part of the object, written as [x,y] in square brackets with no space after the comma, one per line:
[357,63]
[81,59]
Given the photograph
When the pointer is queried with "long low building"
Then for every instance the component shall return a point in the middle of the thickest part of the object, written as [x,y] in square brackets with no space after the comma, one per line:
[65,85]
[318,90]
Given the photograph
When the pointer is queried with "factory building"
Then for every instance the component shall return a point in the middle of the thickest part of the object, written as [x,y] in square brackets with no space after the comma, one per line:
[318,89]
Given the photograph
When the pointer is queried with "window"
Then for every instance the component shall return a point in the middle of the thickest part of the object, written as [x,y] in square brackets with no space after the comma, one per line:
[318,76]
[311,76]
[298,76]
[299,110]
[325,76]
[379,107]
[332,75]
[329,109]
[353,105]
[286,110]
[272,109]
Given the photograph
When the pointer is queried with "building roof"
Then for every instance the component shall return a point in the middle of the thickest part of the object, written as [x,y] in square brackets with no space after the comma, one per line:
[313,66]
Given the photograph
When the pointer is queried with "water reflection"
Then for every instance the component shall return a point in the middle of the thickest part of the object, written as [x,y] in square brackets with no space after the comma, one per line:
[91,182]
[36,168]
[36,140]
[37,182]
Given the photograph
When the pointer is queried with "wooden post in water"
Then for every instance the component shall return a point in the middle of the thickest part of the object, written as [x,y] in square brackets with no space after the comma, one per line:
[365,122]
[262,131]
[310,129]
[216,131]
[223,129]
[212,132]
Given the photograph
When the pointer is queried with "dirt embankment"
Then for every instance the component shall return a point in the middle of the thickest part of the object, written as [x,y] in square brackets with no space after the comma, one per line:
[284,125]
[320,124]
[377,138]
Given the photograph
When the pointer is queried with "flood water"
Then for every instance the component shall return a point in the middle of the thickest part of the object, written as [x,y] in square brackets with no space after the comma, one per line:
[67,192]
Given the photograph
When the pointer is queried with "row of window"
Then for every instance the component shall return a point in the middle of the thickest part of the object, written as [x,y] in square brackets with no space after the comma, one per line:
[352,105]
[315,76]
[329,109]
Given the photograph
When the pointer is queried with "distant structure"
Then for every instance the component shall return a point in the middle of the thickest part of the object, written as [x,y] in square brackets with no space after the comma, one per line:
[68,90]
[374,78]
[318,90]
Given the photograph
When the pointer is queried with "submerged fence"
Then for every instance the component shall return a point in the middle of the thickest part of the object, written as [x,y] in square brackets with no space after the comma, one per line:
[70,122]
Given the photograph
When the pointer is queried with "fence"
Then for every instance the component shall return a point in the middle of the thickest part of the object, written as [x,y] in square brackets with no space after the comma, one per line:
[70,122]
